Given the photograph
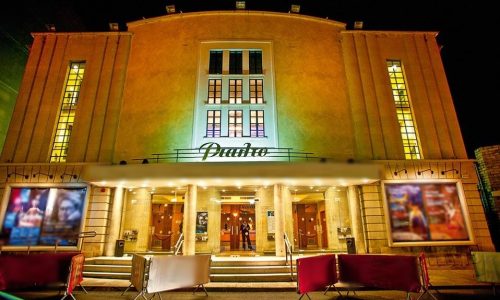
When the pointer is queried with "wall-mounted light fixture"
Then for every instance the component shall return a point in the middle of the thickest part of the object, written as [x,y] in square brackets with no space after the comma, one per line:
[419,172]
[50,27]
[114,27]
[240,5]
[170,9]
[295,8]
[26,176]
[358,25]
[74,176]
[40,173]
[450,170]
[399,171]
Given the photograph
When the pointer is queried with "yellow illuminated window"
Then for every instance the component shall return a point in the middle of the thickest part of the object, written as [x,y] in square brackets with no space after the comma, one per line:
[235,91]
[256,91]
[67,112]
[235,123]
[403,110]
[214,91]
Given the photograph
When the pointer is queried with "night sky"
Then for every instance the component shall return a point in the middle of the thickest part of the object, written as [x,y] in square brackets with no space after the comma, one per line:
[468,31]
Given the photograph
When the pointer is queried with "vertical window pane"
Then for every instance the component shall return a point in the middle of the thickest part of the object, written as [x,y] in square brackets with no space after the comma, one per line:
[213,123]
[235,123]
[215,65]
[214,91]
[67,111]
[411,147]
[235,62]
[255,62]
[235,91]
[257,123]
[256,91]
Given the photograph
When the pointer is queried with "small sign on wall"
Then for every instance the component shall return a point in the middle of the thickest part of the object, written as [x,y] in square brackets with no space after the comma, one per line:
[130,235]
[271,230]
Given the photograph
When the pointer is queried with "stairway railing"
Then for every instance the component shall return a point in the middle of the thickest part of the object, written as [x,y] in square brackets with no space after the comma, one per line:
[178,244]
[288,248]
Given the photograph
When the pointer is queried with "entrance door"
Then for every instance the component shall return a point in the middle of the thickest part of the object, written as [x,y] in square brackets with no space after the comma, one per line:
[324,239]
[307,225]
[232,216]
[167,224]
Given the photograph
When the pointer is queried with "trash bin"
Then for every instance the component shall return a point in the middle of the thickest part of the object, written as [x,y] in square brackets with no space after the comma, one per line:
[351,245]
[119,248]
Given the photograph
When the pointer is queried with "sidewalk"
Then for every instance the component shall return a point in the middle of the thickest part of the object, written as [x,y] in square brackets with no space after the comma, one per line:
[440,279]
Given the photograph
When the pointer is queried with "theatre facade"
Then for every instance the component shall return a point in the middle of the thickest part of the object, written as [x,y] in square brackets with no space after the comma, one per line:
[193,123]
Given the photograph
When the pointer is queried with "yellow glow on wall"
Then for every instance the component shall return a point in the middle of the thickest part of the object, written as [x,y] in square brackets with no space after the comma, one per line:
[67,113]
[403,110]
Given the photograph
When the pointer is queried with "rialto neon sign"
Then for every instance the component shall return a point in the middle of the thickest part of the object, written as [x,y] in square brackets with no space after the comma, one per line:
[212,149]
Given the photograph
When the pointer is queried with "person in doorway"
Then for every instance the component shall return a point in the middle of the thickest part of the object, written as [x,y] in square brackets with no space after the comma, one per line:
[245,235]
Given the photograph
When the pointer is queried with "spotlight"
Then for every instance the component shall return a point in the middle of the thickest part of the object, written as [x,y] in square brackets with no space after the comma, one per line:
[399,171]
[450,170]
[420,172]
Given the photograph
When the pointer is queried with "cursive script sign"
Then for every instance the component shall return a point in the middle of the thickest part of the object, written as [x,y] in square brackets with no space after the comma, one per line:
[212,149]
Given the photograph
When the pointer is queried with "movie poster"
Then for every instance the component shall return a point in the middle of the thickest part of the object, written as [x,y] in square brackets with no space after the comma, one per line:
[202,226]
[43,216]
[425,212]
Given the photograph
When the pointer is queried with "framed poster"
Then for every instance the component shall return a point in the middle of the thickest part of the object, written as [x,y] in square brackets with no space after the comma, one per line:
[426,213]
[43,215]
[202,226]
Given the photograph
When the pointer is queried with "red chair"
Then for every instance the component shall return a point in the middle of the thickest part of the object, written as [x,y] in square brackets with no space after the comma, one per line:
[316,273]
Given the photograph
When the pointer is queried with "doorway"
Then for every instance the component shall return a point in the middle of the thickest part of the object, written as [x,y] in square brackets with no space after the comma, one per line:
[232,217]
[167,225]
[306,226]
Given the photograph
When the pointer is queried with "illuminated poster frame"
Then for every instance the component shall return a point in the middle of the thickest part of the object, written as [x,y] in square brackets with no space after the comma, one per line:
[37,227]
[426,213]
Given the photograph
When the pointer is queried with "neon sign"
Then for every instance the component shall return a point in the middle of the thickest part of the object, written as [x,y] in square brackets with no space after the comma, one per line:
[212,149]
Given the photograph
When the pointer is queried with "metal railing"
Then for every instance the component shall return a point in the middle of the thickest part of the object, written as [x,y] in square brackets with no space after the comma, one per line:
[196,154]
[178,244]
[288,248]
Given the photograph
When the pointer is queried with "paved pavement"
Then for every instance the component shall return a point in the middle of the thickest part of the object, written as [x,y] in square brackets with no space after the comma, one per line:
[469,294]
[452,284]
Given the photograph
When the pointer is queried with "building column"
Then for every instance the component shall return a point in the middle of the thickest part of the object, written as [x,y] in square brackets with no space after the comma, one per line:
[115,222]
[189,223]
[279,218]
[332,215]
[356,222]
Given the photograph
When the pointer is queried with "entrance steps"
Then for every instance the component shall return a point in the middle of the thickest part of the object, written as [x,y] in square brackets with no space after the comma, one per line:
[223,269]
[108,267]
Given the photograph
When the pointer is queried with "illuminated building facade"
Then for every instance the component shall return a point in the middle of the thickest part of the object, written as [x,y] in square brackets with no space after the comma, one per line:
[193,123]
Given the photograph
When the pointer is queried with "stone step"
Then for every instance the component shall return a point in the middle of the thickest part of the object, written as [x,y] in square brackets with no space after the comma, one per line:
[107,268]
[270,277]
[248,262]
[127,261]
[107,275]
[249,269]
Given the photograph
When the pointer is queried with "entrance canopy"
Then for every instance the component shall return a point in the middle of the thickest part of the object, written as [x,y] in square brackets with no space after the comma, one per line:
[232,174]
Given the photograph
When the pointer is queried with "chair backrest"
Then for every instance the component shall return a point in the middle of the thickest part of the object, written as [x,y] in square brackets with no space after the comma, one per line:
[316,273]
[140,264]
[174,272]
[75,276]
